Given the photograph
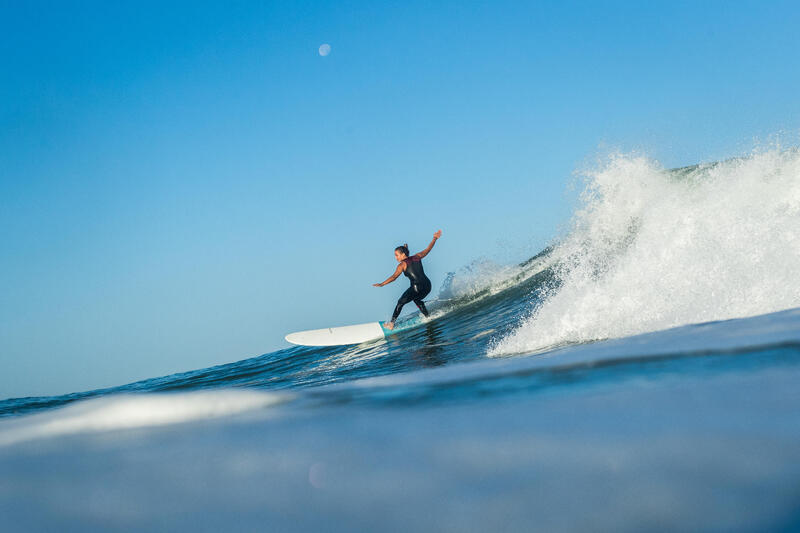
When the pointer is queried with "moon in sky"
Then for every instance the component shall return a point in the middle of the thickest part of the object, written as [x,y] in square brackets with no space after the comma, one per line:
[325,49]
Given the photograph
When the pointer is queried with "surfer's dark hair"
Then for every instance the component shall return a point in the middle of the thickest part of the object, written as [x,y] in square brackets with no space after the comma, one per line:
[403,249]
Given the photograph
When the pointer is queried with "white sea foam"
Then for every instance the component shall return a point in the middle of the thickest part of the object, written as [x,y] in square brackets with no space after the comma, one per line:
[484,277]
[652,249]
[126,411]
[479,276]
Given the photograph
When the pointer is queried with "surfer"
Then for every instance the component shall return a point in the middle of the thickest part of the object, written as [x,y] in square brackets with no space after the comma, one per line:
[412,268]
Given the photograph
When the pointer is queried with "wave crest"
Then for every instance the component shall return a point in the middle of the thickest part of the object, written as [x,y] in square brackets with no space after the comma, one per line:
[128,411]
[652,248]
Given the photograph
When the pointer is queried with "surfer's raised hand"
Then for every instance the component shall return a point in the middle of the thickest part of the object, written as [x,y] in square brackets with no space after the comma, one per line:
[427,250]
[377,284]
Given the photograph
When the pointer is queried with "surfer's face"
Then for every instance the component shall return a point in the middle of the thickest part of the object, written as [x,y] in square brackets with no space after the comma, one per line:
[399,255]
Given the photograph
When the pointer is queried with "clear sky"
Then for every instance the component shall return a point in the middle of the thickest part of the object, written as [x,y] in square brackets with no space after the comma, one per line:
[182,184]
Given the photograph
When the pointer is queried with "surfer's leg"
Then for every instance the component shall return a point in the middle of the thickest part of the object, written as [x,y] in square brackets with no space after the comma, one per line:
[421,292]
[422,308]
[404,299]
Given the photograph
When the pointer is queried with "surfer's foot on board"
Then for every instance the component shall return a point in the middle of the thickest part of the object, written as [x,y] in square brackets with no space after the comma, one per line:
[388,325]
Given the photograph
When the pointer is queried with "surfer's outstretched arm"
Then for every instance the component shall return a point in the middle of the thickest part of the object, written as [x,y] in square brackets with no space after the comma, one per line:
[427,250]
[393,277]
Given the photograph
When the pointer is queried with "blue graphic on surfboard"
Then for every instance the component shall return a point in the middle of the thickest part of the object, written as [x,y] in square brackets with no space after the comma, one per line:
[357,334]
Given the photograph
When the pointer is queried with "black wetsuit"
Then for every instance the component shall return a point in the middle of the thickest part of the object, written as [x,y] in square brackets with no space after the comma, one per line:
[420,286]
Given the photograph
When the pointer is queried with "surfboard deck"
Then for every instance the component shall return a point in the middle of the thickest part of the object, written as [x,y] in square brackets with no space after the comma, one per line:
[344,335]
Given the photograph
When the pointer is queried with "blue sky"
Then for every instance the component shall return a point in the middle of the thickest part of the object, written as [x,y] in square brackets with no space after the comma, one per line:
[181,185]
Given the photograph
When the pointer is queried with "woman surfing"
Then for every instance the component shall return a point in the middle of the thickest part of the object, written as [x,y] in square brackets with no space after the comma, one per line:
[412,268]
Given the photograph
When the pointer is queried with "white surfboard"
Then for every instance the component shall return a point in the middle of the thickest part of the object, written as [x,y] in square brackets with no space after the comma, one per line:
[344,335]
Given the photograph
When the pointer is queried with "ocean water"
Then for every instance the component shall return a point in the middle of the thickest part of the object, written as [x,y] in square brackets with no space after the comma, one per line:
[641,373]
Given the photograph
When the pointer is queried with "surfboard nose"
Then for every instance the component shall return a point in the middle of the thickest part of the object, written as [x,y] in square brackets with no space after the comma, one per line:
[339,336]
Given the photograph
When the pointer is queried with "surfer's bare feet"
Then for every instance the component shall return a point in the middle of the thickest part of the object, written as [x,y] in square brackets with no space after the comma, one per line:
[388,325]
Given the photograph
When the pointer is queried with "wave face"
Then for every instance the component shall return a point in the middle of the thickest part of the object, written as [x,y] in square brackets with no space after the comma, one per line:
[652,248]
[648,249]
